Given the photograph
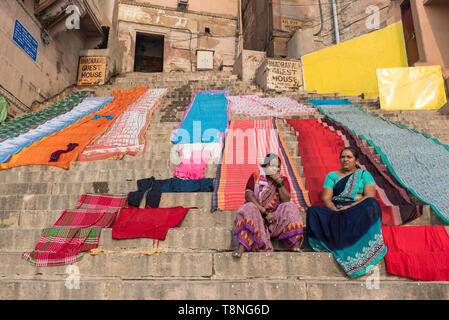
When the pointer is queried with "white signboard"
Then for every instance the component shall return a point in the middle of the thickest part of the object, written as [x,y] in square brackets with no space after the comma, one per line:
[205,60]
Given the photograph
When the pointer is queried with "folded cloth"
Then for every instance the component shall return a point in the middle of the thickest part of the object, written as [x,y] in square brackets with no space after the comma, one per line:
[147,223]
[54,157]
[179,185]
[417,252]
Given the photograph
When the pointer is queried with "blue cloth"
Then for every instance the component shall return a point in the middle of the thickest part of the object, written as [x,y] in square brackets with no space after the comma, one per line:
[353,236]
[13,145]
[180,185]
[330,102]
[206,120]
[98,116]
[419,163]
[366,178]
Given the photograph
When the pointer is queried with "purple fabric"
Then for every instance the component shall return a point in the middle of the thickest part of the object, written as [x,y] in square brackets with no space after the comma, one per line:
[55,155]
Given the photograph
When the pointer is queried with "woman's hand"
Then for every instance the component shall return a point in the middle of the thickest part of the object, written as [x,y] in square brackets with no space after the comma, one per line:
[344,208]
[276,177]
[271,218]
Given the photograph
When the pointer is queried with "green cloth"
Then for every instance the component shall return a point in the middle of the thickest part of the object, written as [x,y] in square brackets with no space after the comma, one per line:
[24,123]
[3,108]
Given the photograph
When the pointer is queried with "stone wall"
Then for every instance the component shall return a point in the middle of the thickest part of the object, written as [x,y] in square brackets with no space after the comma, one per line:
[184,33]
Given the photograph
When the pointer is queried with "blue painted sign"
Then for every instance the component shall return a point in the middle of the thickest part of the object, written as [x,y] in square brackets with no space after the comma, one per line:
[25,40]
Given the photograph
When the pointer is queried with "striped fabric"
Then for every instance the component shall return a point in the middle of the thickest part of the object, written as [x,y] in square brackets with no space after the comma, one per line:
[127,134]
[13,145]
[81,132]
[241,159]
[24,123]
[419,163]
[77,231]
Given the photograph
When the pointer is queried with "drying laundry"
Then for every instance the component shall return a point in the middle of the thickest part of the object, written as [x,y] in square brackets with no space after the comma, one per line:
[419,163]
[15,144]
[205,120]
[151,223]
[82,132]
[417,252]
[127,134]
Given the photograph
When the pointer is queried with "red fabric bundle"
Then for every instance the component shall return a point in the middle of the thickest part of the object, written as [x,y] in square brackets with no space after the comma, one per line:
[147,223]
[417,252]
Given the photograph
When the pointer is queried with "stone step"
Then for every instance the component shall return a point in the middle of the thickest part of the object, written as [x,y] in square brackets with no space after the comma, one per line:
[202,200]
[91,175]
[182,266]
[260,289]
[28,219]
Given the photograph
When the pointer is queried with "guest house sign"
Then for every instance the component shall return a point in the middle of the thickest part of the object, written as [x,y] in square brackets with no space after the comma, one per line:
[92,71]
[283,74]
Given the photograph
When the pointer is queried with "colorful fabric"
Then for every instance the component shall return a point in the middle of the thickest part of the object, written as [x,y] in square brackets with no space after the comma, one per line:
[127,134]
[255,234]
[24,123]
[194,158]
[256,106]
[102,201]
[60,246]
[81,132]
[397,207]
[147,223]
[205,120]
[353,235]
[14,145]
[76,231]
[417,252]
[3,109]
[419,163]
[241,158]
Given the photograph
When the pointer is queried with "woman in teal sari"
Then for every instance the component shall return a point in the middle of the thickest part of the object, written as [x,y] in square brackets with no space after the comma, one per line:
[349,224]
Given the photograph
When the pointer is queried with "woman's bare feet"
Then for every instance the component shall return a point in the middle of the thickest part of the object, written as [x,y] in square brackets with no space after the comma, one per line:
[237,253]
[296,247]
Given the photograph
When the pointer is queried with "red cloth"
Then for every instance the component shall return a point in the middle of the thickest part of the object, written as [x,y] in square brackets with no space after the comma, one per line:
[417,252]
[147,223]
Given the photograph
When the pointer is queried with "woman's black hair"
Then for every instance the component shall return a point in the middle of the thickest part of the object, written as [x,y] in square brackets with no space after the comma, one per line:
[270,157]
[353,150]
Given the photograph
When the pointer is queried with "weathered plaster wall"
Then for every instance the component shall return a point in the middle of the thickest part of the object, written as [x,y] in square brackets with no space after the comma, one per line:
[55,67]
[183,32]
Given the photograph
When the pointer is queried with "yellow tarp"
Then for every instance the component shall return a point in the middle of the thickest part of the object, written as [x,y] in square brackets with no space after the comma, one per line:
[350,67]
[411,88]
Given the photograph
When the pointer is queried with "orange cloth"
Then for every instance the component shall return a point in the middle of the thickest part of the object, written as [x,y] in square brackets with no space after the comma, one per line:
[82,132]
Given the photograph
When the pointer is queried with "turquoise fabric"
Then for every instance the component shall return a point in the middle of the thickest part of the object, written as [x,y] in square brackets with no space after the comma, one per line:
[419,163]
[206,120]
[332,178]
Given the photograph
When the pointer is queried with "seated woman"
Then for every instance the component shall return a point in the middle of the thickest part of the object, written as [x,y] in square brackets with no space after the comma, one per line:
[268,212]
[349,223]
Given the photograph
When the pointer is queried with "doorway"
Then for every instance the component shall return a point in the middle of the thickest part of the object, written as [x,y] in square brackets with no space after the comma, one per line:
[411,44]
[149,56]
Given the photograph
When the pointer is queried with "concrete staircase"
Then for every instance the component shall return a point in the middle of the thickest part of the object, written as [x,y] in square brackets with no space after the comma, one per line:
[198,262]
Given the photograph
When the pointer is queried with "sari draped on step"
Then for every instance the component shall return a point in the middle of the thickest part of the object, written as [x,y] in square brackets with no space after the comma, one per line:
[353,235]
[253,231]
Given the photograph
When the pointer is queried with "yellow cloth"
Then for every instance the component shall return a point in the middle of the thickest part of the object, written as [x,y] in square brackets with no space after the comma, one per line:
[411,88]
[95,252]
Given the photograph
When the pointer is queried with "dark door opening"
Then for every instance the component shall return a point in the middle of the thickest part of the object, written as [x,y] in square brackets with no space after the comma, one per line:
[409,33]
[149,55]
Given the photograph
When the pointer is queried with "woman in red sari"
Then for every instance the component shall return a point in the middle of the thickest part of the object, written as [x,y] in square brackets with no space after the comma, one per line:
[268,212]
